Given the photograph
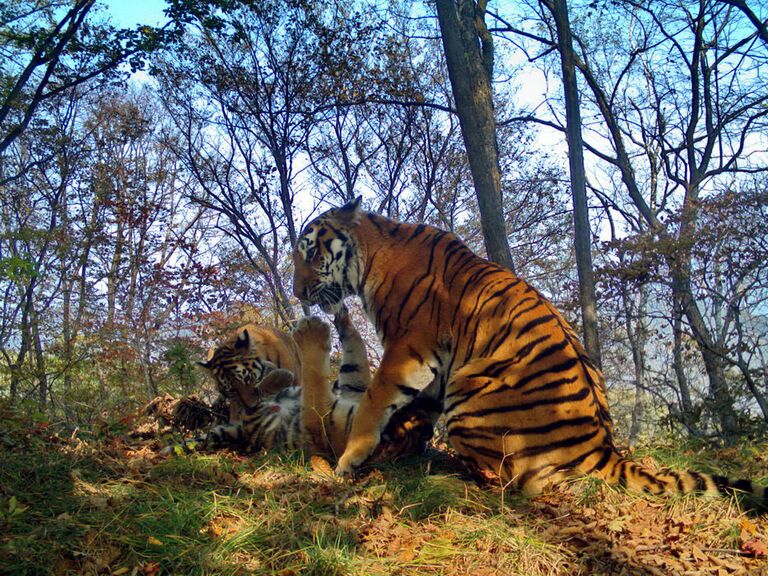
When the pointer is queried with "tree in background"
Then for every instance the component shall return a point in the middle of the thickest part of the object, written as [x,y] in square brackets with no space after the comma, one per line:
[672,147]
[469,56]
[48,49]
[583,236]
[138,228]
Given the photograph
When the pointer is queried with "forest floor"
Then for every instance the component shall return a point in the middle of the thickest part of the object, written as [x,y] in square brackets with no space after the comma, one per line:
[107,502]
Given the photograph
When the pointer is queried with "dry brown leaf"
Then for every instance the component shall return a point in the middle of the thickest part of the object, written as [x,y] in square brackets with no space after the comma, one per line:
[150,569]
[747,526]
[407,554]
[320,465]
[754,547]
[698,554]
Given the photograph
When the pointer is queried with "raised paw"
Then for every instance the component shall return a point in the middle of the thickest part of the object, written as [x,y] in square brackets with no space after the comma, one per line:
[312,333]
[343,321]
[277,380]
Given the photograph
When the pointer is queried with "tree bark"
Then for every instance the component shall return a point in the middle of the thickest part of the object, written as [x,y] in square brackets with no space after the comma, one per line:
[680,271]
[40,373]
[686,403]
[582,240]
[638,337]
[469,70]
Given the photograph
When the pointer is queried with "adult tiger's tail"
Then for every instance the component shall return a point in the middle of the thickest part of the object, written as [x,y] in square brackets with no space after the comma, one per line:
[618,470]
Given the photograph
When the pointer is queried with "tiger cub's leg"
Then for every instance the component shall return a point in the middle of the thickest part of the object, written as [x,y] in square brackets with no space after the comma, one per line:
[354,372]
[313,336]
[408,430]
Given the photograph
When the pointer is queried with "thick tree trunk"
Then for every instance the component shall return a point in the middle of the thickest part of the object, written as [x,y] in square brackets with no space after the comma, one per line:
[469,71]
[582,244]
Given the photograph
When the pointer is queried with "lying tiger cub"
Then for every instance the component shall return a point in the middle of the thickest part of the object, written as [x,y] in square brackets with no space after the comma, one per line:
[280,411]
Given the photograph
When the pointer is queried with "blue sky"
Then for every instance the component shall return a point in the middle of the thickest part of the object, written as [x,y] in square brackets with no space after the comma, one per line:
[128,13]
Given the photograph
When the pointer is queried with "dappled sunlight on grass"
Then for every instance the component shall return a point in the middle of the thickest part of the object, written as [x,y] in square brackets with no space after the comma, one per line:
[114,506]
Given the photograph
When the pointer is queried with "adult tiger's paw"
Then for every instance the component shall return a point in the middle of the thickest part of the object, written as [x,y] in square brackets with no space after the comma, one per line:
[357,452]
[343,470]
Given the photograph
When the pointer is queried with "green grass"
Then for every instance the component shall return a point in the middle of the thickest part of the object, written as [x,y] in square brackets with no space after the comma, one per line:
[113,506]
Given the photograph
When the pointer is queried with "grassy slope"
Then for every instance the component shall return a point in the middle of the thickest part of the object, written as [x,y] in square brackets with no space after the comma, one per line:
[113,506]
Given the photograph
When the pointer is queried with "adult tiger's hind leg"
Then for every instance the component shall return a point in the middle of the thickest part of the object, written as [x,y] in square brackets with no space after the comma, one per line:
[313,336]
[522,433]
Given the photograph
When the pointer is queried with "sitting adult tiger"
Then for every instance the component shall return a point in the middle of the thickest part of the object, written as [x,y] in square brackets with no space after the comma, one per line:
[521,398]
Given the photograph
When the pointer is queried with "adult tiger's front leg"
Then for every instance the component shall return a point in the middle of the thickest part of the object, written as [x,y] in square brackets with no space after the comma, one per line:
[402,375]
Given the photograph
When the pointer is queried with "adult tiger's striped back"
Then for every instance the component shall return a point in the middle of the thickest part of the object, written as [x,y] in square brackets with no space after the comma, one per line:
[521,398]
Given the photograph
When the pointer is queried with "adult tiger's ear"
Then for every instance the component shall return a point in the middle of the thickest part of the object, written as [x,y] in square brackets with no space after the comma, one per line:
[349,213]
[206,364]
[243,340]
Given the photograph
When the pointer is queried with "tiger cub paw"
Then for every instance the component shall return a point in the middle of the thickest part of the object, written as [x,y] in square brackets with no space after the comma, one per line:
[276,381]
[313,336]
[342,321]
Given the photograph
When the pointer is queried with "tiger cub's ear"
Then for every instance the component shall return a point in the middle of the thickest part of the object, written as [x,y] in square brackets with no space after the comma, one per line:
[349,213]
[243,340]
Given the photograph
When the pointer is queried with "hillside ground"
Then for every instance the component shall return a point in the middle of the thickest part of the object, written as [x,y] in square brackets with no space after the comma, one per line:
[106,502]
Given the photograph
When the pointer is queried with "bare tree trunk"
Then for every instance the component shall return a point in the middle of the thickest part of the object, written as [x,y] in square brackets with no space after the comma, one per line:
[16,367]
[42,376]
[686,404]
[744,366]
[149,380]
[582,243]
[287,202]
[24,345]
[462,27]
[638,337]
[112,276]
[67,337]
[680,270]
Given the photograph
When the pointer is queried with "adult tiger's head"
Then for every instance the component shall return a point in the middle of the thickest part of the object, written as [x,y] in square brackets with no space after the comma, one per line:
[326,259]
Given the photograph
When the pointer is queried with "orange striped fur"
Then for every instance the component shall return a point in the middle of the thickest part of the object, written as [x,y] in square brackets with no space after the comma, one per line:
[522,400]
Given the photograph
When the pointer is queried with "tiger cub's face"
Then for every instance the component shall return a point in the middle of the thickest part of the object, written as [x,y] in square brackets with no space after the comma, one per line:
[325,259]
[239,372]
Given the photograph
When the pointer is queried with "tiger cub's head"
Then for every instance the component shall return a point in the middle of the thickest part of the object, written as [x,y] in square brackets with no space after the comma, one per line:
[325,260]
[241,372]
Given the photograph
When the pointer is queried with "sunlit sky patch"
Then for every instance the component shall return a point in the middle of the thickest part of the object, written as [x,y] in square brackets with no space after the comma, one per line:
[129,13]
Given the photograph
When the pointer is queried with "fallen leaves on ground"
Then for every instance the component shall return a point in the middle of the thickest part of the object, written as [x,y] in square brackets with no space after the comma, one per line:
[407,519]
